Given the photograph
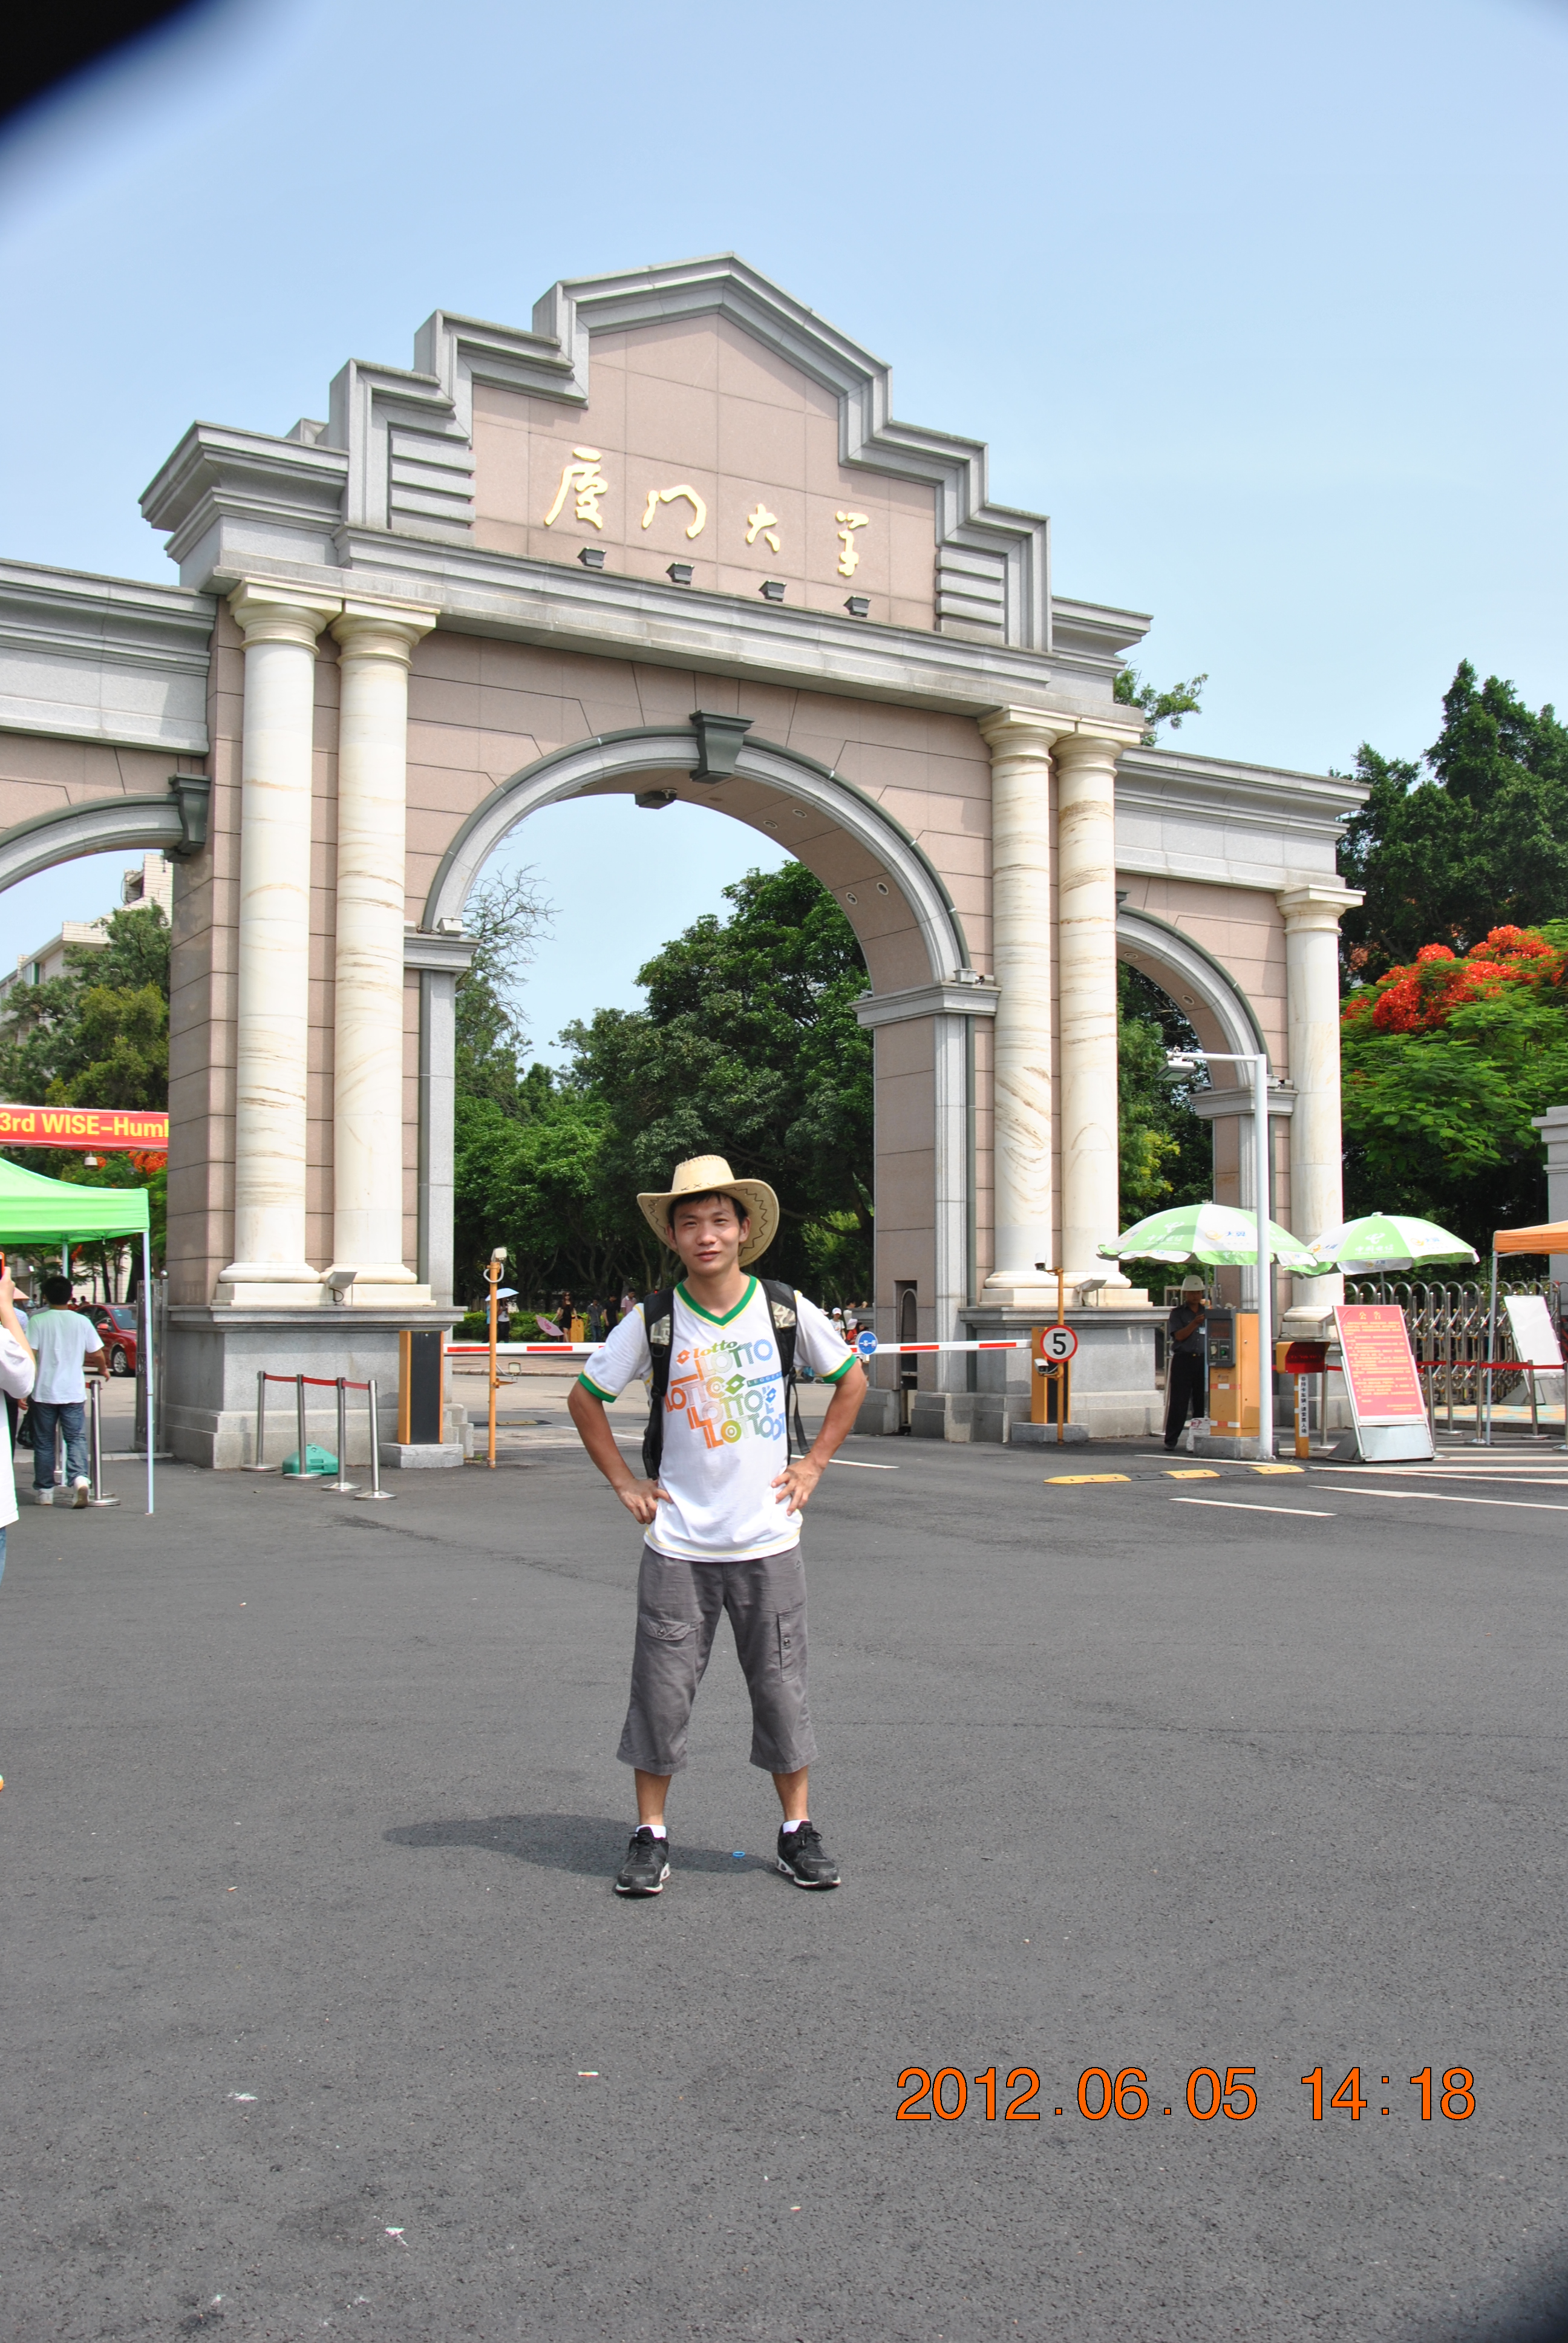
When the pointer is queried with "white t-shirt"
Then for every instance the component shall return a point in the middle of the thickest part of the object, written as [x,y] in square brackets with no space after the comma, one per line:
[724,1441]
[15,1382]
[61,1340]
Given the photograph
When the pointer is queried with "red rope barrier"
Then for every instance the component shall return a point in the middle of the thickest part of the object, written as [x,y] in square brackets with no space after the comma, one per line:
[322,1382]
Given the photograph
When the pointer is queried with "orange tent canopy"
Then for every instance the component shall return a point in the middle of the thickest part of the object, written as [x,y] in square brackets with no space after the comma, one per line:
[1547,1236]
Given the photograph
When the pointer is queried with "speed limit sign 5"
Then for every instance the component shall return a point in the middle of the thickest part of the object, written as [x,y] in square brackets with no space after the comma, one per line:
[1057,1344]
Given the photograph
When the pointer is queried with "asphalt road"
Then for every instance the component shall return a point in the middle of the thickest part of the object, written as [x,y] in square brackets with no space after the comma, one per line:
[320,2016]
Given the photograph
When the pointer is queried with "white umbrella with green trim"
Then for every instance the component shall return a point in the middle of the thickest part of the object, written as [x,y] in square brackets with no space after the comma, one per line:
[1217,1234]
[1389,1241]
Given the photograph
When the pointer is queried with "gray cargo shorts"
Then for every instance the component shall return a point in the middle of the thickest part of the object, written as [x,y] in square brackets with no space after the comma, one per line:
[678,1610]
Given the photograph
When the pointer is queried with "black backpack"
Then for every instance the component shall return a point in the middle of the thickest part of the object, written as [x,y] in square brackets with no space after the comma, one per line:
[658,1317]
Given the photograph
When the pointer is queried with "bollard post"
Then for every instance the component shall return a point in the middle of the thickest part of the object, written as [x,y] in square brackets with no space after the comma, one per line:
[97,1496]
[260,1425]
[303,1458]
[343,1485]
[374,1490]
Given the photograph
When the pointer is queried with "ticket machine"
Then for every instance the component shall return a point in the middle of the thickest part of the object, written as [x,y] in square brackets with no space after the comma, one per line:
[1233,1373]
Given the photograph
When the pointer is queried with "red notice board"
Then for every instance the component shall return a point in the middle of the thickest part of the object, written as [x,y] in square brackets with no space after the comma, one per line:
[1380,1372]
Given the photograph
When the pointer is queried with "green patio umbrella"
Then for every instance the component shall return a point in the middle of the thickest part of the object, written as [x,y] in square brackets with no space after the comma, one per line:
[34,1211]
[1219,1234]
[1389,1241]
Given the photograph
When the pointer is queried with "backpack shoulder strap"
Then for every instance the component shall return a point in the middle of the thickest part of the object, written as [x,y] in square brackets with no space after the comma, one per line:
[658,1319]
[781,1300]
[781,1310]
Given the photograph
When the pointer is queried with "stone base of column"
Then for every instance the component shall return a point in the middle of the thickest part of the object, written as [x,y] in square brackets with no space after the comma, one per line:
[1114,1394]
[362,1295]
[1020,1289]
[215,1352]
[1013,1289]
[271,1294]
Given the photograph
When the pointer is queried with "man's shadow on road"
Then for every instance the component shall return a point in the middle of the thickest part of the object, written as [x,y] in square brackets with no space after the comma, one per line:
[589,1845]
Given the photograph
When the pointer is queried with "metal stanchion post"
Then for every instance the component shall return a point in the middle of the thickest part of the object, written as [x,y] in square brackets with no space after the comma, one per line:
[97,1496]
[343,1485]
[375,1490]
[303,1459]
[260,1426]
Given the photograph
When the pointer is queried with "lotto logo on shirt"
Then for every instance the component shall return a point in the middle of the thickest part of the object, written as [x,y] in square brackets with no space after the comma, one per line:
[721,1395]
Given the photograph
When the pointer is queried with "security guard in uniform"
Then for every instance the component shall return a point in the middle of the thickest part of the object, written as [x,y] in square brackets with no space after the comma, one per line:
[1186,1357]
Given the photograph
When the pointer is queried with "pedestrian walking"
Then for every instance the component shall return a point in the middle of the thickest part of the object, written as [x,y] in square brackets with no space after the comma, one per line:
[65,1343]
[720,1498]
[596,1329]
[1186,1357]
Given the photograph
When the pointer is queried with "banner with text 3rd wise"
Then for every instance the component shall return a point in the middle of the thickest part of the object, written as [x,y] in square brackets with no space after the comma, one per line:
[114,1130]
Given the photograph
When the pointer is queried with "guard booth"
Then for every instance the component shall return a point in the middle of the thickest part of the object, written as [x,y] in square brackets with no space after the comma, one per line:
[1233,1373]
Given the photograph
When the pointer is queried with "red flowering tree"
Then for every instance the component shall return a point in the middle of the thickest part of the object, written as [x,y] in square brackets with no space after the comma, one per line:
[1445,1062]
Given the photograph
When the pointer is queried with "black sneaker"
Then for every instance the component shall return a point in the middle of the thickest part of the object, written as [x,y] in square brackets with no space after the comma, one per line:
[801,1858]
[647,1864]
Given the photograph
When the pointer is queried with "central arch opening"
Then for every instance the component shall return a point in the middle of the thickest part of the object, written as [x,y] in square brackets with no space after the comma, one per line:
[747,1043]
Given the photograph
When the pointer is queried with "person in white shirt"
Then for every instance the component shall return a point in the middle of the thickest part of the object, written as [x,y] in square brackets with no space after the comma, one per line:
[721,1512]
[65,1343]
[16,1382]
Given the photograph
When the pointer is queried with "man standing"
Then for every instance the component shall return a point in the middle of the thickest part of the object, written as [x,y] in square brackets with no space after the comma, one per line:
[65,1341]
[720,1508]
[1186,1348]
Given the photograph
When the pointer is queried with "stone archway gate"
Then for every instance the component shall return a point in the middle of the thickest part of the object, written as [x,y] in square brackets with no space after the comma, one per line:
[668,543]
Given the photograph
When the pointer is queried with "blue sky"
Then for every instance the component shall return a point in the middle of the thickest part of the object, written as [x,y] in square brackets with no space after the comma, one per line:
[1265,306]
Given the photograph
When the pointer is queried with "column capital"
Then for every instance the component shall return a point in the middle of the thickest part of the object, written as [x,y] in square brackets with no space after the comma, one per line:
[266,611]
[1318,903]
[1022,731]
[1096,742]
[372,628]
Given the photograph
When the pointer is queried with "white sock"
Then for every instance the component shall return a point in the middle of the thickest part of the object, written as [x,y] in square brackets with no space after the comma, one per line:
[790,1829]
[657,1828]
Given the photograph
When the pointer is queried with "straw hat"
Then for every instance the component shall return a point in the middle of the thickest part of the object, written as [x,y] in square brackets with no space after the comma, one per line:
[707,1175]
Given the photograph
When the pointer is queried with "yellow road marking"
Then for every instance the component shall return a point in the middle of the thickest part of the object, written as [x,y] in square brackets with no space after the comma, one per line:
[1202,1473]
[1276,1468]
[1076,1479]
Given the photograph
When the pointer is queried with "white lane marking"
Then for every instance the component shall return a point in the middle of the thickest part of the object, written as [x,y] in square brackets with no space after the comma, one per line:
[1431,1498]
[1238,1506]
[861,1467]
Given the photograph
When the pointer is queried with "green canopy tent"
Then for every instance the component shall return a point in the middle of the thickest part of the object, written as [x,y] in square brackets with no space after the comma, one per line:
[34,1211]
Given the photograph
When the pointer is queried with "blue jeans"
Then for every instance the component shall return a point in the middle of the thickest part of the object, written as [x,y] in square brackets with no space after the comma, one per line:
[70,1415]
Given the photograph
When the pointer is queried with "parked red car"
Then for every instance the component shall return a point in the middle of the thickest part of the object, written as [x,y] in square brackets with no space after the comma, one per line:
[116,1322]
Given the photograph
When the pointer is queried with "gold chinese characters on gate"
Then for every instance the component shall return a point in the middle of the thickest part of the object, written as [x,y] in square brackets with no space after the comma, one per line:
[582,484]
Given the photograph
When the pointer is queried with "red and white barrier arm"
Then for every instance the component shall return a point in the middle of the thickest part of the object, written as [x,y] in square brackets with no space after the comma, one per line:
[585,1349]
[522,1349]
[891,1349]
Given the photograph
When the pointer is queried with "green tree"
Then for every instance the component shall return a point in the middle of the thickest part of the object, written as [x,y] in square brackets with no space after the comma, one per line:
[505,915]
[97,1035]
[1160,706]
[1166,1155]
[748,1049]
[1444,1062]
[1472,837]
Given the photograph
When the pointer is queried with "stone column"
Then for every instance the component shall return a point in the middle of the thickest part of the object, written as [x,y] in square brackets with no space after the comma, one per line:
[376,641]
[1020,740]
[440,961]
[1086,985]
[1311,914]
[280,625]
[1553,1127]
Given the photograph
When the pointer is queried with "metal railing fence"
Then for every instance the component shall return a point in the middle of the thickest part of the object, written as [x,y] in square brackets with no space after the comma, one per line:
[1448,1330]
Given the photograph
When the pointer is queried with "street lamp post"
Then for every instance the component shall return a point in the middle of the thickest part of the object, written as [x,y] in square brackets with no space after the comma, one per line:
[1183,1061]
